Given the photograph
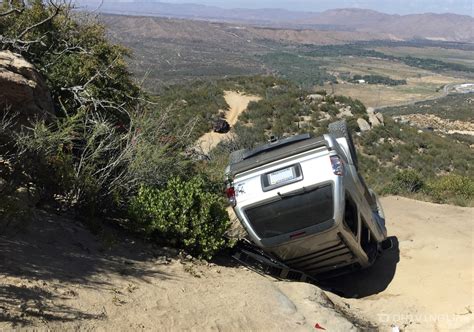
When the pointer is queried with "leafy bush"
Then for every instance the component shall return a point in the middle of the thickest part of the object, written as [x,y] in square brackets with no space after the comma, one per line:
[405,181]
[83,69]
[456,188]
[185,213]
[83,160]
[107,138]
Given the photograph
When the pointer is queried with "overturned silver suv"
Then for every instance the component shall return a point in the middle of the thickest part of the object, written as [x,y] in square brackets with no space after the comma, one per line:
[303,202]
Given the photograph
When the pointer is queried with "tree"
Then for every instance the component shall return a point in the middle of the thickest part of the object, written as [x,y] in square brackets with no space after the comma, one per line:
[83,69]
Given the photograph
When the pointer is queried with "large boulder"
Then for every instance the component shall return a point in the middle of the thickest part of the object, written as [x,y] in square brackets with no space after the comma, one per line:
[345,112]
[380,117]
[372,118]
[22,90]
[314,98]
[363,125]
[375,119]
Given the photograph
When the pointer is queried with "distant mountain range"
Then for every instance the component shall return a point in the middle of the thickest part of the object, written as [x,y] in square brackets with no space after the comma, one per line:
[444,27]
[195,11]
[449,27]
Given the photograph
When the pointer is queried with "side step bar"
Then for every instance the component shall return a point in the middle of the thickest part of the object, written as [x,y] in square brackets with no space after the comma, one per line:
[256,260]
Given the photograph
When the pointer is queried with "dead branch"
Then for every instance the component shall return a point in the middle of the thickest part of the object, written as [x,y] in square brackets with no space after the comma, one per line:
[13,9]
[57,9]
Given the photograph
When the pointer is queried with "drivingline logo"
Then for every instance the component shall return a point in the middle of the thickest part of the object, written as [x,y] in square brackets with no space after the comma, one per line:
[394,318]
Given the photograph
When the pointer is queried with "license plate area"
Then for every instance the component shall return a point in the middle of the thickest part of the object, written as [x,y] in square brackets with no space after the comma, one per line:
[281,177]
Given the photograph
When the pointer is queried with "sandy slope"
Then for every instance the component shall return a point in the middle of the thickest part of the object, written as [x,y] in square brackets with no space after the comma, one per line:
[238,103]
[432,285]
[58,276]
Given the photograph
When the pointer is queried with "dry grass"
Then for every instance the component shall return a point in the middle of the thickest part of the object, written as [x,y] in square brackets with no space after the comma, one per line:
[422,84]
[448,55]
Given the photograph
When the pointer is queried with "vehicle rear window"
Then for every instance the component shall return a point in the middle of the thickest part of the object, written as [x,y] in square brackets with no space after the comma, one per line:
[292,213]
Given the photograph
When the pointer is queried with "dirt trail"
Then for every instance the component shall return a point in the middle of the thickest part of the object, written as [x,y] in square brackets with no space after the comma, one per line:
[425,283]
[57,276]
[238,103]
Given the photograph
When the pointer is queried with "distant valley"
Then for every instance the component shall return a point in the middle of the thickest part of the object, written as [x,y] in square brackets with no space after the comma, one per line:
[175,51]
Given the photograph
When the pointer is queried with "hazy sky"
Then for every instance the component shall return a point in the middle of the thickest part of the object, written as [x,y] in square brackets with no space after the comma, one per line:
[387,6]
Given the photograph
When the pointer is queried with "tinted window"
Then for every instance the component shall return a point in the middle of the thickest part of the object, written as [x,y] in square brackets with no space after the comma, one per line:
[292,213]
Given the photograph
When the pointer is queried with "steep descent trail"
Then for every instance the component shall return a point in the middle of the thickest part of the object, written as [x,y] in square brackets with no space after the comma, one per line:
[238,103]
[424,283]
[55,275]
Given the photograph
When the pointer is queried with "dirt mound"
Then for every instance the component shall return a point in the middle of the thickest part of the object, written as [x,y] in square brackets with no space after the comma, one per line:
[56,275]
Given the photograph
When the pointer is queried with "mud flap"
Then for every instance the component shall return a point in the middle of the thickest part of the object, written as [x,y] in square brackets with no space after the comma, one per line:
[387,244]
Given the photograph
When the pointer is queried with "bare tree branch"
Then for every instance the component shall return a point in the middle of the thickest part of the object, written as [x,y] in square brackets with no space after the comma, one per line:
[57,9]
[13,9]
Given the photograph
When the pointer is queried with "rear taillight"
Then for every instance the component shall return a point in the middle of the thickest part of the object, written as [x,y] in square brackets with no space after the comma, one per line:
[230,193]
[337,165]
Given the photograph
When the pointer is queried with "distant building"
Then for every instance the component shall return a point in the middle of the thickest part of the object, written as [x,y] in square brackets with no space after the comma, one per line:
[464,88]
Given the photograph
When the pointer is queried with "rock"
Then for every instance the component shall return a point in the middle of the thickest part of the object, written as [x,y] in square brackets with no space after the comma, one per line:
[314,97]
[323,117]
[380,117]
[363,125]
[345,112]
[375,119]
[23,90]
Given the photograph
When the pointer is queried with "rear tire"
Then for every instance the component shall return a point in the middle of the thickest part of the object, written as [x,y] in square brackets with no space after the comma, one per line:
[339,129]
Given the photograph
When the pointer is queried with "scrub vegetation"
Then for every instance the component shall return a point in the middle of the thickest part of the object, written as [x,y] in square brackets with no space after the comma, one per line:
[110,147]
[115,152]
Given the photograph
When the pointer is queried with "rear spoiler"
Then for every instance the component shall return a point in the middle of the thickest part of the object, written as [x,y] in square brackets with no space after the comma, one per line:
[275,151]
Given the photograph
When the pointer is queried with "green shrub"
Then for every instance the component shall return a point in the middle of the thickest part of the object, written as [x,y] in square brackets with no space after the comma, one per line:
[445,188]
[352,124]
[405,181]
[82,68]
[189,214]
